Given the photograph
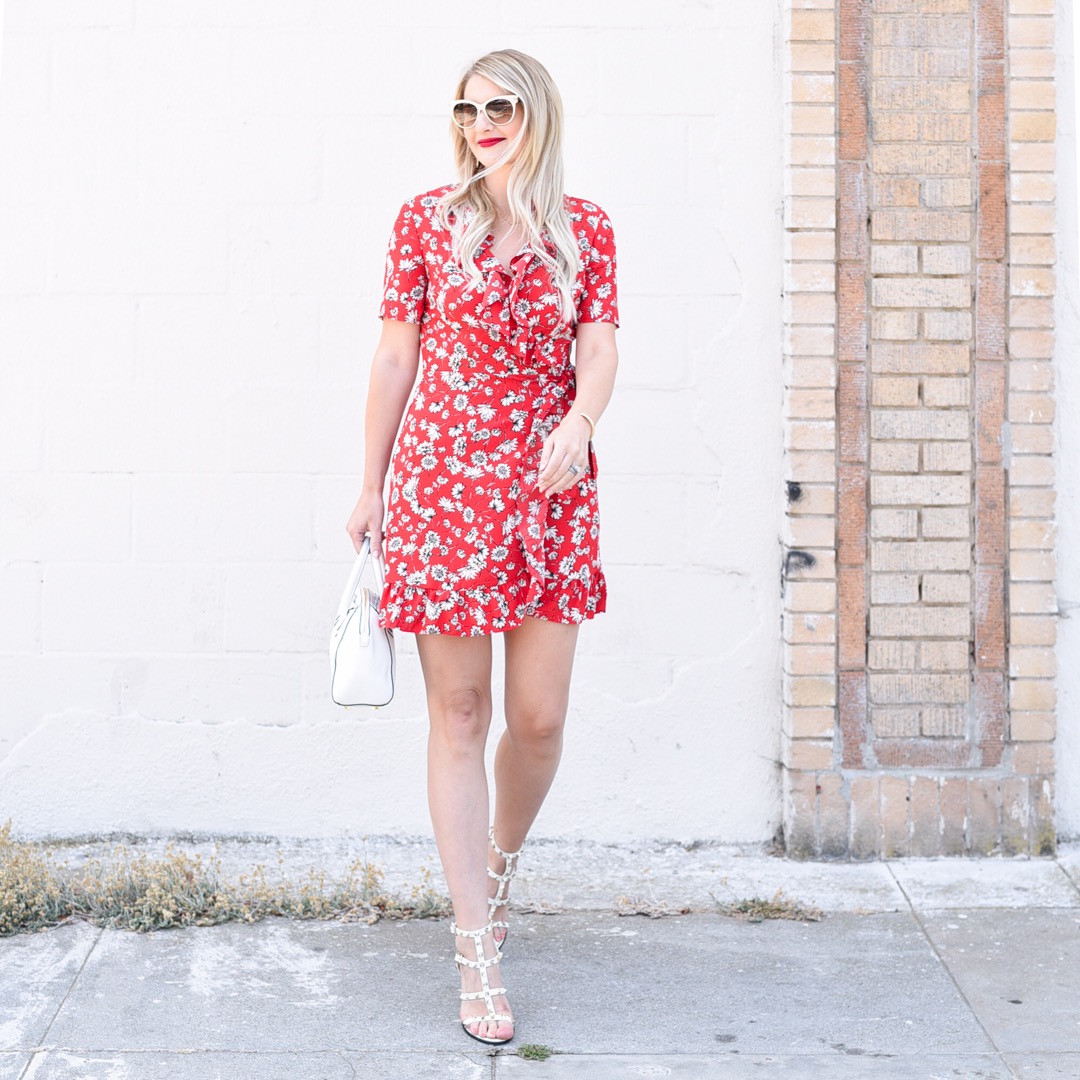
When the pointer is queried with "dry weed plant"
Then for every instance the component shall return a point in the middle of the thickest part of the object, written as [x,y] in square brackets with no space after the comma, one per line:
[756,909]
[637,905]
[139,892]
[31,894]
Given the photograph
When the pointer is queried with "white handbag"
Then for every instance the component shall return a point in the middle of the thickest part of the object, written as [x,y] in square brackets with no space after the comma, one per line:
[362,662]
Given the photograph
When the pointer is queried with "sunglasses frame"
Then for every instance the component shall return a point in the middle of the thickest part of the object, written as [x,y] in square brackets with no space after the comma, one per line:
[482,108]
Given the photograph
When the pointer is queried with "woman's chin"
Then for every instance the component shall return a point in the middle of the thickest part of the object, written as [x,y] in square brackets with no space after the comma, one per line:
[493,160]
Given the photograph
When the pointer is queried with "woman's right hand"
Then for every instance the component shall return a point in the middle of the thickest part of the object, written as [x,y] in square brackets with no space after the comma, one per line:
[367,517]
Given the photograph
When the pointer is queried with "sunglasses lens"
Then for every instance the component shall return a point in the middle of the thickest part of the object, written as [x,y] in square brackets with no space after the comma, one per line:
[464,114]
[500,110]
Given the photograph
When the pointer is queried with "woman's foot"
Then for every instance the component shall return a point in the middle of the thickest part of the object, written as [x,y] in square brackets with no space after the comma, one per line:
[502,866]
[485,1012]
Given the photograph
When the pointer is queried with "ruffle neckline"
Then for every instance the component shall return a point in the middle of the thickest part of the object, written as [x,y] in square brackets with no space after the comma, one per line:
[504,305]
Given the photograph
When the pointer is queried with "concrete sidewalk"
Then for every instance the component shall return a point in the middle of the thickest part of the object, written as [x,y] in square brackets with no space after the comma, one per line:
[919,969]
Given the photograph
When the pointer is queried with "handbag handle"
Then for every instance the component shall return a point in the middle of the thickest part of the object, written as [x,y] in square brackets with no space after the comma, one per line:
[363,557]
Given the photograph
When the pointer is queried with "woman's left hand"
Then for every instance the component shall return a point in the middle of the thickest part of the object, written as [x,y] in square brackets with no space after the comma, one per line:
[568,444]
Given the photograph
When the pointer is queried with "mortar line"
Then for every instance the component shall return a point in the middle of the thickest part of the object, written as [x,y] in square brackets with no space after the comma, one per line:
[952,978]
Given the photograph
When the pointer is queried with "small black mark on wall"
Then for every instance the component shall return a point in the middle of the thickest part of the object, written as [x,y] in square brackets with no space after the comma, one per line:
[794,491]
[798,560]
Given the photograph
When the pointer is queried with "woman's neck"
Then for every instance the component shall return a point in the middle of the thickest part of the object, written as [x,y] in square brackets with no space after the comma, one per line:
[495,184]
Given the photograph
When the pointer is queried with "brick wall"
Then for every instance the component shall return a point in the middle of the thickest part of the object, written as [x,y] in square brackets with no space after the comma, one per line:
[919,575]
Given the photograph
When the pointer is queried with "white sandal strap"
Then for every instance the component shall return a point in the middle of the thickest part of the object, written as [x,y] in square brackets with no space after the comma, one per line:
[486,992]
[508,855]
[478,995]
[502,893]
[480,965]
[476,935]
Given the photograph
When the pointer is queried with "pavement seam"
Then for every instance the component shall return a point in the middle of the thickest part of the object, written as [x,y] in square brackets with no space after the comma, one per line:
[43,1041]
[1074,885]
[29,1061]
[948,970]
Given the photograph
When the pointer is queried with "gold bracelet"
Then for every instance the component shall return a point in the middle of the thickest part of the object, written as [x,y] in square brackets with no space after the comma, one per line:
[592,424]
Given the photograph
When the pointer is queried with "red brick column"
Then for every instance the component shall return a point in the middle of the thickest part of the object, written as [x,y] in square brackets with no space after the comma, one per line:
[919,757]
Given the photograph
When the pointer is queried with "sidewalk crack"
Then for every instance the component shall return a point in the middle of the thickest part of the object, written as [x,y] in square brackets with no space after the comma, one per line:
[1074,885]
[948,970]
[29,1065]
[43,1042]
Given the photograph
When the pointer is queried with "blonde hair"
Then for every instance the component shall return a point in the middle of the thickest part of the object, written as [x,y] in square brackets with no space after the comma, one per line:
[535,186]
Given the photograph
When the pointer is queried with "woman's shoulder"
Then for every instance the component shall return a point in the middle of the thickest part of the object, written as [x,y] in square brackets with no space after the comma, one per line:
[576,204]
[586,215]
[426,201]
[430,198]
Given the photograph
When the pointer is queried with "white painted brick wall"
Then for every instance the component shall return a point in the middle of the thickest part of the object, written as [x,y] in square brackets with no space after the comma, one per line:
[194,206]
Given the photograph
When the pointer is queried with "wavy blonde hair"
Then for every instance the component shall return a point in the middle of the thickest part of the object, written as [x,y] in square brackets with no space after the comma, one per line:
[535,186]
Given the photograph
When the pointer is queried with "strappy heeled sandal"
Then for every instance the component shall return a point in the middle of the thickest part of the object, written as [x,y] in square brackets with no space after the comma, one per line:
[486,992]
[502,892]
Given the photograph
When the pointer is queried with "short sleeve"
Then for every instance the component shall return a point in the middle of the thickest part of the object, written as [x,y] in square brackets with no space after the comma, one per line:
[405,280]
[599,302]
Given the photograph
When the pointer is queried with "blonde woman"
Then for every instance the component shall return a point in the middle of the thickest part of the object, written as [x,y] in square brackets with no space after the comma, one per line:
[492,523]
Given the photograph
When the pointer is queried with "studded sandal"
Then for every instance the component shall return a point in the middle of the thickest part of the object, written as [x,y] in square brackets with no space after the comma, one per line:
[486,991]
[502,892]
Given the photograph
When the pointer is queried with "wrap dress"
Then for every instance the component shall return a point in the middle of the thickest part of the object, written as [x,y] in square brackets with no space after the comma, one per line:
[472,547]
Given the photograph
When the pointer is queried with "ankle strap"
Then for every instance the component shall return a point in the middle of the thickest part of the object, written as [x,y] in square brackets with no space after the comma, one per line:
[476,935]
[499,851]
[482,961]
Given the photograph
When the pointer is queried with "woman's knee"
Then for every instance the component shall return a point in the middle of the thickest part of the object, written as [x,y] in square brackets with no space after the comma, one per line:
[538,730]
[462,716]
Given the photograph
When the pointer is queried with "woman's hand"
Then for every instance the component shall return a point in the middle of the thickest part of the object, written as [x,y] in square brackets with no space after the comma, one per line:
[568,444]
[367,517]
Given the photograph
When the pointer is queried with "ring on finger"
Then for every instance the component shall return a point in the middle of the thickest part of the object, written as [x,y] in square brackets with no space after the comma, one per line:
[575,469]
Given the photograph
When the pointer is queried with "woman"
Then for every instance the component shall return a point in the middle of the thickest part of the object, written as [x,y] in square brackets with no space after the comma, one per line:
[492,523]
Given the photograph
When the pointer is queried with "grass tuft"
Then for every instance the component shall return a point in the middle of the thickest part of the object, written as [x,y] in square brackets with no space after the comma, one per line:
[139,892]
[755,909]
[534,1052]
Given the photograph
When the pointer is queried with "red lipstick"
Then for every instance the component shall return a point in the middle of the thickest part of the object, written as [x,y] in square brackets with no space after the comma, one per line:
[488,142]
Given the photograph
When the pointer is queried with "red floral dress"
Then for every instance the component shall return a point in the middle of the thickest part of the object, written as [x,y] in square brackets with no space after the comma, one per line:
[472,547]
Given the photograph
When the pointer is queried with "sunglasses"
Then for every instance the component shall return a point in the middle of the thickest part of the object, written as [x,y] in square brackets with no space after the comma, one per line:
[499,110]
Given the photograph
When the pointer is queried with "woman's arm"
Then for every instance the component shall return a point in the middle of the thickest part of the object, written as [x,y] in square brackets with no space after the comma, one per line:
[596,360]
[393,373]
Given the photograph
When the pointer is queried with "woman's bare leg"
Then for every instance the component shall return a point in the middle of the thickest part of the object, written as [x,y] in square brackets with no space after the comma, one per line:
[457,678]
[539,662]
